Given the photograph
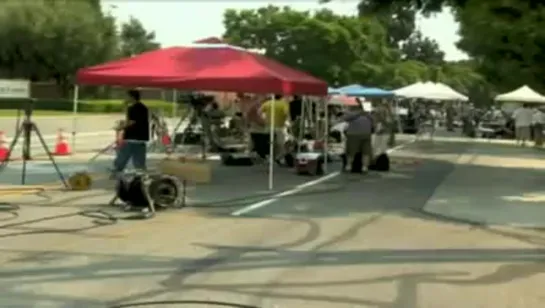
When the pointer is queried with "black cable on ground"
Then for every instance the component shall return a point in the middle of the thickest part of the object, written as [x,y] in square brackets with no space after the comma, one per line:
[184,302]
[10,210]
[8,207]
[100,217]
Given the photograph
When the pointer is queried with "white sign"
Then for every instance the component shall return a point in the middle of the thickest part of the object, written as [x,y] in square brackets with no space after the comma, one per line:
[14,88]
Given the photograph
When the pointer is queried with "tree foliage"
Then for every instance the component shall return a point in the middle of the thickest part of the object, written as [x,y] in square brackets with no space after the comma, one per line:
[135,39]
[52,39]
[346,49]
[504,39]
[399,20]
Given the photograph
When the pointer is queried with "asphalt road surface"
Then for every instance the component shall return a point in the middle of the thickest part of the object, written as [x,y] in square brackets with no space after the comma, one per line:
[351,241]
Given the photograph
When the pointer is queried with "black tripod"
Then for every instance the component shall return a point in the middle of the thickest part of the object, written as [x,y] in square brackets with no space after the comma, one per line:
[25,129]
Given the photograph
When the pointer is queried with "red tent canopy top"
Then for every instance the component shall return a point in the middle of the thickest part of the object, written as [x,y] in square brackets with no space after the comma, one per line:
[215,67]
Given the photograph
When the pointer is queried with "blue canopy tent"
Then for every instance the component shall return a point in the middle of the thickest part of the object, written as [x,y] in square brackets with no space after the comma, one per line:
[359,90]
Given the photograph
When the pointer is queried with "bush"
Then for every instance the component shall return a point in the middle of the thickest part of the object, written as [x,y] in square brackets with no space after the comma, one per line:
[88,106]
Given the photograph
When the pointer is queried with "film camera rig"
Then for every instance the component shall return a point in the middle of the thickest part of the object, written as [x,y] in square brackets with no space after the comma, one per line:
[193,133]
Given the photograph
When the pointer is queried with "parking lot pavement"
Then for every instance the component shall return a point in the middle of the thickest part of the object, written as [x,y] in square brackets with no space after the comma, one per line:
[494,184]
[320,248]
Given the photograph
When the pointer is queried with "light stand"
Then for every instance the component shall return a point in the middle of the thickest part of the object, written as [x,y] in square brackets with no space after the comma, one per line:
[26,128]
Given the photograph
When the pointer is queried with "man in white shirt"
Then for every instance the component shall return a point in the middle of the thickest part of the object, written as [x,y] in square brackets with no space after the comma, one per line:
[523,121]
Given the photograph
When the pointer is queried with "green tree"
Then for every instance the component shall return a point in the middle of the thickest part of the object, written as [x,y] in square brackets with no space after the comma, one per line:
[425,6]
[420,48]
[345,49]
[399,20]
[505,38]
[507,41]
[135,39]
[340,49]
[51,39]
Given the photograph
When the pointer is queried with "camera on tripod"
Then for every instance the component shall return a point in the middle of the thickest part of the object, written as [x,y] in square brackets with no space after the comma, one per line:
[198,101]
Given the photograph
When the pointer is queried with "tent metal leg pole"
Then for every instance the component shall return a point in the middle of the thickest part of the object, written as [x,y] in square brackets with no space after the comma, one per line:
[271,145]
[75,117]
[301,125]
[326,135]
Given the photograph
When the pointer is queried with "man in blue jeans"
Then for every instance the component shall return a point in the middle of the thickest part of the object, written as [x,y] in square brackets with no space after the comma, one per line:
[135,135]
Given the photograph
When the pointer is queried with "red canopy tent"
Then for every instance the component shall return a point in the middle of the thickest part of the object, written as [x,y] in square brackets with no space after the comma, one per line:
[214,67]
[205,67]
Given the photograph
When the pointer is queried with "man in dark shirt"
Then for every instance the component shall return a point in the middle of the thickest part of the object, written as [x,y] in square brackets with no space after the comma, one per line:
[136,134]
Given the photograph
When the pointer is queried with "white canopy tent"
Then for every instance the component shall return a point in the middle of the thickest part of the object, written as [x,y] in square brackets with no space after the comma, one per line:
[430,90]
[451,92]
[410,90]
[523,94]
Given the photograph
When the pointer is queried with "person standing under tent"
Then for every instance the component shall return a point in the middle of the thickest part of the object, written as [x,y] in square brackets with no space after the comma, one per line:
[276,111]
[432,116]
[449,117]
[523,120]
[358,134]
[136,134]
[382,129]
[391,121]
[538,122]
[256,126]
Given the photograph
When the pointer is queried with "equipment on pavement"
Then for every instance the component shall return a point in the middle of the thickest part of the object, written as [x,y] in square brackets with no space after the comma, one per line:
[380,163]
[80,181]
[310,163]
[26,128]
[237,156]
[189,169]
[150,191]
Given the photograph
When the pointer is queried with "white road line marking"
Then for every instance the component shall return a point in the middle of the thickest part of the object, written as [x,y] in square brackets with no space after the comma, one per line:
[298,188]
[286,193]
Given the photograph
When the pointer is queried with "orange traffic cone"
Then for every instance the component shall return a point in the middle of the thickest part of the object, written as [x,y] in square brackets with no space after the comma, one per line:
[4,150]
[61,148]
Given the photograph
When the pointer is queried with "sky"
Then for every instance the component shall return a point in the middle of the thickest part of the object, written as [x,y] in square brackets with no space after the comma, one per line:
[179,22]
